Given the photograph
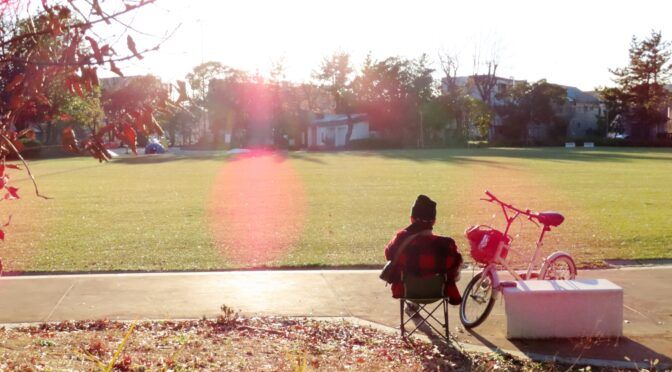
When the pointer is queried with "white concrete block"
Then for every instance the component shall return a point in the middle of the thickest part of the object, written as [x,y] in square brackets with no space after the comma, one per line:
[589,144]
[570,145]
[537,309]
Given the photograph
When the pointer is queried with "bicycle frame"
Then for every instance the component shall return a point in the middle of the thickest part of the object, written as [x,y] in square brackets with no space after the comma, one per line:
[506,208]
[478,294]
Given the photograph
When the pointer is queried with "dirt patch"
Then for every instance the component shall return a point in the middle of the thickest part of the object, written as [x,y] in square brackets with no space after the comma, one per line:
[223,344]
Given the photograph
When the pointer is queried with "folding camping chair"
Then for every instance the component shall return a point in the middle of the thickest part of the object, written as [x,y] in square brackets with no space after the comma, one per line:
[424,292]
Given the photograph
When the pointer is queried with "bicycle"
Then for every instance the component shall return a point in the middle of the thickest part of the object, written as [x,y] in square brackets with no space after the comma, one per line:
[490,247]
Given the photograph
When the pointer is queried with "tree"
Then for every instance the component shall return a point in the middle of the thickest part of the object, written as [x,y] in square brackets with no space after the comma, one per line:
[480,115]
[485,82]
[134,105]
[528,104]
[457,102]
[335,74]
[179,122]
[199,81]
[484,78]
[84,111]
[641,95]
[228,101]
[392,92]
[422,90]
[57,44]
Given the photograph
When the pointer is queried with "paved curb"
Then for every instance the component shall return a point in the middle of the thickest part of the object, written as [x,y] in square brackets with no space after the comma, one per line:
[90,274]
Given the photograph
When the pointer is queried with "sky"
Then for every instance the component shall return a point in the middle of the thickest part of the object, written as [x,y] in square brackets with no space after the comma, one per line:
[565,42]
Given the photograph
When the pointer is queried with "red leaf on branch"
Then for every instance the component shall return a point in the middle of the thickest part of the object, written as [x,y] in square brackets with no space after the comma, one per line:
[106,50]
[69,141]
[19,145]
[131,47]
[96,50]
[99,11]
[127,135]
[103,131]
[78,89]
[12,193]
[18,79]
[97,150]
[15,101]
[115,69]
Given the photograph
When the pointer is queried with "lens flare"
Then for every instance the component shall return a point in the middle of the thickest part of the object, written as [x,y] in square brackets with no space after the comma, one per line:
[257,208]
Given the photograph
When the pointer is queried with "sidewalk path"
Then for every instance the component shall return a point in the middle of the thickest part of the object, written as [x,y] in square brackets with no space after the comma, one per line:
[324,293]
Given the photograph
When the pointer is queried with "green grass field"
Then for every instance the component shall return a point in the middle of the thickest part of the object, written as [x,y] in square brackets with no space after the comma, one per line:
[151,213]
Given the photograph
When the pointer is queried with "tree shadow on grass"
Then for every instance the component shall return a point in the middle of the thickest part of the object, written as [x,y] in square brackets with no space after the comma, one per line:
[465,155]
[306,156]
[166,158]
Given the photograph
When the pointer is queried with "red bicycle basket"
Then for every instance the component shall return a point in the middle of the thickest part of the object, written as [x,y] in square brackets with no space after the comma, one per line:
[485,241]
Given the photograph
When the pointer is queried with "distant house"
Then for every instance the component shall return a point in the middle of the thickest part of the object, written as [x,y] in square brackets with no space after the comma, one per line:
[330,130]
[582,110]
[500,87]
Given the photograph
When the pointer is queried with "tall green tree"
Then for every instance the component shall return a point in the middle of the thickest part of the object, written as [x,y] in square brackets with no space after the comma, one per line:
[640,95]
[532,104]
[392,92]
[335,75]
[85,111]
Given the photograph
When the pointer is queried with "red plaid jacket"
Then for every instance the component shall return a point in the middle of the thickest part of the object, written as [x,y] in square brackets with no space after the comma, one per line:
[425,255]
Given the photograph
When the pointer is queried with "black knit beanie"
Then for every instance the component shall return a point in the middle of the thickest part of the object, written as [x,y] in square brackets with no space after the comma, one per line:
[424,208]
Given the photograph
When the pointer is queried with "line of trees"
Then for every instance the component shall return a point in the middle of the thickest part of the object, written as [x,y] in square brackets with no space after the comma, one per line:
[408,102]
[401,96]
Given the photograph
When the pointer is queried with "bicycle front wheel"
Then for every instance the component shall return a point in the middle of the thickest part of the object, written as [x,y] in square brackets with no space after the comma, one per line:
[477,301]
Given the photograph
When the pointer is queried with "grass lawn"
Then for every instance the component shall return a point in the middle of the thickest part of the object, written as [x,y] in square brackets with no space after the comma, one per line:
[155,213]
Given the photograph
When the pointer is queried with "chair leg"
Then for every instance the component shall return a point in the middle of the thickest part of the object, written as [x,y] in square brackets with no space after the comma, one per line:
[401,317]
[445,318]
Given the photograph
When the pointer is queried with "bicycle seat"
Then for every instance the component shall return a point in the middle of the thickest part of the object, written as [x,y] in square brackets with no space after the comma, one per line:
[551,218]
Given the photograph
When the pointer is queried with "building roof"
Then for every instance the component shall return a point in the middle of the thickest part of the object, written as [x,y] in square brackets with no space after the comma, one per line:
[575,94]
[337,119]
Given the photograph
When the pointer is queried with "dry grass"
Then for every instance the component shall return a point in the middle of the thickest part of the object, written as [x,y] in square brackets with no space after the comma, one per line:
[234,343]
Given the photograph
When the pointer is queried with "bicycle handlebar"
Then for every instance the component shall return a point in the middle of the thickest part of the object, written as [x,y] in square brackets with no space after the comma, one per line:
[527,212]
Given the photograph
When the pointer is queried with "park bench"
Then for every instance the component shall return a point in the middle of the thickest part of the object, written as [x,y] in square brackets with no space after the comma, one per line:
[540,309]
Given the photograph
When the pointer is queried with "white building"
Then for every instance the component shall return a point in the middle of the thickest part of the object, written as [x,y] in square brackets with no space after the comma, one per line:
[330,130]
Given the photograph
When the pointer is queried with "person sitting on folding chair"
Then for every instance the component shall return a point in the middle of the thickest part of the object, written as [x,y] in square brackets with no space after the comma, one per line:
[424,254]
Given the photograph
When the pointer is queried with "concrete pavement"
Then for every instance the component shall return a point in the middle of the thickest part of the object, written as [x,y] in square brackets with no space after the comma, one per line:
[326,293]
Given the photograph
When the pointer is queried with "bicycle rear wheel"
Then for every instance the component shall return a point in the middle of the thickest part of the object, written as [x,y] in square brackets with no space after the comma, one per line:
[477,301]
[560,267]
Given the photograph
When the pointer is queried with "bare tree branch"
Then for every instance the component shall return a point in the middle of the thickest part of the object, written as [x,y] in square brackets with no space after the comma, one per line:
[86,24]
[25,164]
